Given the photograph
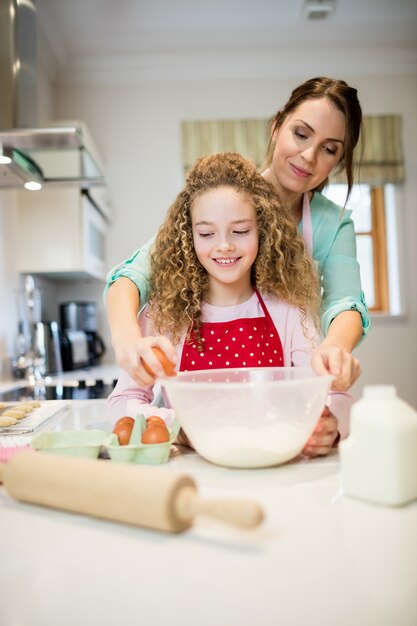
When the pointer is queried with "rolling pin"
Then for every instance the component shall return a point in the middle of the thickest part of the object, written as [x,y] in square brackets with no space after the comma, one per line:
[153,497]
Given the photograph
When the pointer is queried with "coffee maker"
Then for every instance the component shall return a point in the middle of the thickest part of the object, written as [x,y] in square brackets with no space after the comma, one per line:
[78,321]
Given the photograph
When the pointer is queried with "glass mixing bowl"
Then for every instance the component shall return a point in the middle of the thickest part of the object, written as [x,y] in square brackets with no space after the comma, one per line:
[254,417]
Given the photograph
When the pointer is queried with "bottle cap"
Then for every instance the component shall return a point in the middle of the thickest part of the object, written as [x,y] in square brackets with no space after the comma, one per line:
[379,391]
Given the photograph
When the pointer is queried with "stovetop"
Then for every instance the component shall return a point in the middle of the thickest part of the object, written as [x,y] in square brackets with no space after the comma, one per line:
[79,390]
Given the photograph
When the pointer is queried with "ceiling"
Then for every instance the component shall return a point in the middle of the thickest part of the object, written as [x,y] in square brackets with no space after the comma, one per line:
[85,31]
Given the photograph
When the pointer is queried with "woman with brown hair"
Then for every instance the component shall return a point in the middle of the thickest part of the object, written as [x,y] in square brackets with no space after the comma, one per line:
[314,134]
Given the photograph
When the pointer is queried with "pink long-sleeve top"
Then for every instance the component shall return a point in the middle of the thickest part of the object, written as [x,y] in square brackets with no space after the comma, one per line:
[298,345]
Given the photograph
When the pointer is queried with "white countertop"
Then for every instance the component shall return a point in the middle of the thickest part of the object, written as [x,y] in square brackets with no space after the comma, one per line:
[319,558]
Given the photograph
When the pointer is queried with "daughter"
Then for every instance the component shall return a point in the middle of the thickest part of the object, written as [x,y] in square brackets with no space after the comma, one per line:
[232,285]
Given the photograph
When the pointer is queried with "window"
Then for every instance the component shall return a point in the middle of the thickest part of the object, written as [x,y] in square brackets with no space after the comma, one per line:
[373,208]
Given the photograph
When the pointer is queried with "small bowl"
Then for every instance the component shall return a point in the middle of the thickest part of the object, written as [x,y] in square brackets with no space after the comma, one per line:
[254,417]
[80,443]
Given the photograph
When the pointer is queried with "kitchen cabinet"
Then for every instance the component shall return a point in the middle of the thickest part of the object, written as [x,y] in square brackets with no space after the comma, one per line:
[62,232]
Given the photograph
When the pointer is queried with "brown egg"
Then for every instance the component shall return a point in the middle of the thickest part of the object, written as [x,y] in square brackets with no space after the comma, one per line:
[155,433]
[155,419]
[123,429]
[169,367]
[125,418]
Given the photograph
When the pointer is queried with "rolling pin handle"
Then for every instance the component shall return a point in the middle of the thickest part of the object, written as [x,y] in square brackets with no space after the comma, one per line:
[242,513]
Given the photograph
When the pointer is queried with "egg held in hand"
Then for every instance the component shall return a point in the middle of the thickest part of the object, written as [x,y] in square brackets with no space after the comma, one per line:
[169,367]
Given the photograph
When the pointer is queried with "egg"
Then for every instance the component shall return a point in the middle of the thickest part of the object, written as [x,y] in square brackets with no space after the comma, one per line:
[169,367]
[155,419]
[123,429]
[155,433]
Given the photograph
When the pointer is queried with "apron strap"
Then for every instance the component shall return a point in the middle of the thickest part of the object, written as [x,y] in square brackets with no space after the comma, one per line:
[264,308]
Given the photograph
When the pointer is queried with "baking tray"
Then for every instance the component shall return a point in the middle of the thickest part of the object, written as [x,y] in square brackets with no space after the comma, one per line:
[34,420]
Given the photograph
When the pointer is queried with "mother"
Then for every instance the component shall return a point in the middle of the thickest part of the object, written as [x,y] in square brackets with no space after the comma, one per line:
[313,134]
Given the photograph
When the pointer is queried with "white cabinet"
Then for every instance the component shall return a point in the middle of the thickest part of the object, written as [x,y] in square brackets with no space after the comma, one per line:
[62,232]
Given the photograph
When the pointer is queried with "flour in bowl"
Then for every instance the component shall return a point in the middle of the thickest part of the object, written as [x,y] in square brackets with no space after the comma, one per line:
[251,447]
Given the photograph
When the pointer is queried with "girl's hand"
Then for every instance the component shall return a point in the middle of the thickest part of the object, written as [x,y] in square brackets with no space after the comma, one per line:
[324,437]
[338,362]
[130,349]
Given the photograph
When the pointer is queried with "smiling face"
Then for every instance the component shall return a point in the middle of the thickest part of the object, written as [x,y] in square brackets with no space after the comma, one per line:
[308,146]
[225,236]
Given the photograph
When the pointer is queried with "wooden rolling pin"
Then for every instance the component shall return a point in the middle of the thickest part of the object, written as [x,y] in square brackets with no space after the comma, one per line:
[143,496]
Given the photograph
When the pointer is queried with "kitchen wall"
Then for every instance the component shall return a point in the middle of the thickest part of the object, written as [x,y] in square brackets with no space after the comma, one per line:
[136,125]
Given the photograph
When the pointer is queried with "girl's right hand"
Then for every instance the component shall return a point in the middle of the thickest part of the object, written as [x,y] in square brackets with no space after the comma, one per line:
[131,349]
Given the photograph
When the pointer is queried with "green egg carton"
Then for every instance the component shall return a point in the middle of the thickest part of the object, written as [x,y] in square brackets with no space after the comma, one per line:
[138,452]
[80,443]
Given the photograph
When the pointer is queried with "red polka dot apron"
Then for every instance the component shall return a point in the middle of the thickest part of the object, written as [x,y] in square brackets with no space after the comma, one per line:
[247,342]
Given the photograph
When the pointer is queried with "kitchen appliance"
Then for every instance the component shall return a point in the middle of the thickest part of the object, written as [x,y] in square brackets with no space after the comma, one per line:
[60,152]
[82,317]
[27,361]
[142,496]
[74,350]
[47,342]
[37,350]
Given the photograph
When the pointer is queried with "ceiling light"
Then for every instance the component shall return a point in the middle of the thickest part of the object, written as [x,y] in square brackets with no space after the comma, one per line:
[318,9]
[32,185]
[4,158]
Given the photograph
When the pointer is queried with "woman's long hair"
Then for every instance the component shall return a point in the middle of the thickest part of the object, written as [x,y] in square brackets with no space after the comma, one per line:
[179,282]
[345,98]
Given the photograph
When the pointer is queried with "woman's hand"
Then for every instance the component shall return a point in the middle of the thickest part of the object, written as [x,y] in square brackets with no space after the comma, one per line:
[324,437]
[131,349]
[338,362]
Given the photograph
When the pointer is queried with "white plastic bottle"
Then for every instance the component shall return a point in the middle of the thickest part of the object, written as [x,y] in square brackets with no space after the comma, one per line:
[379,458]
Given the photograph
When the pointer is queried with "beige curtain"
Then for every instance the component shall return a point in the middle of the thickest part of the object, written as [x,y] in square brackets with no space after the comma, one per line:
[248,137]
[382,160]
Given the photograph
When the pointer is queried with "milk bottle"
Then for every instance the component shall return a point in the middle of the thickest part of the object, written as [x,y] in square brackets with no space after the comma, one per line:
[379,458]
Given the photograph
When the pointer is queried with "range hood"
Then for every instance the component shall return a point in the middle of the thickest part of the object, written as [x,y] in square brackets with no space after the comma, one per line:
[55,153]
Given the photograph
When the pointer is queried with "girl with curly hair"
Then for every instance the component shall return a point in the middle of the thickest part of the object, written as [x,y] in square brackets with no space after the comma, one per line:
[312,135]
[231,285]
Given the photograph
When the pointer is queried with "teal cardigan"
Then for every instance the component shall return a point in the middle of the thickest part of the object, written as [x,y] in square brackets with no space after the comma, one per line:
[334,250]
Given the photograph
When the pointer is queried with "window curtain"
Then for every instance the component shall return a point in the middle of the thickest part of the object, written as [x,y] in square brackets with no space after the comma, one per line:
[248,137]
[382,159]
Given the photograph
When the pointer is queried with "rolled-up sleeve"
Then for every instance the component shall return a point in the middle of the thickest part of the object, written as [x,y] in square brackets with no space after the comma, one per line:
[137,269]
[341,281]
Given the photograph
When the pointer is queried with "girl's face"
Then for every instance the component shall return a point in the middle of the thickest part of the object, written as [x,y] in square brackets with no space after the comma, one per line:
[225,235]
[309,145]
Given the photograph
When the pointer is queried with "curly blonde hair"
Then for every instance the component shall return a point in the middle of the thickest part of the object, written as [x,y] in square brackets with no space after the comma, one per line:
[179,283]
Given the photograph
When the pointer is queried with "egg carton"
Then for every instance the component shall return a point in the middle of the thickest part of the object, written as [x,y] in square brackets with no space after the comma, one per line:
[33,420]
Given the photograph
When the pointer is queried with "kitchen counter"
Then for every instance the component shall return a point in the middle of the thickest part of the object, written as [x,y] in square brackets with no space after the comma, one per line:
[319,557]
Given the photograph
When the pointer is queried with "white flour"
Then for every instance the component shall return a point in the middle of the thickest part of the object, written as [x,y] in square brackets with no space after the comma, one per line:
[249,447]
